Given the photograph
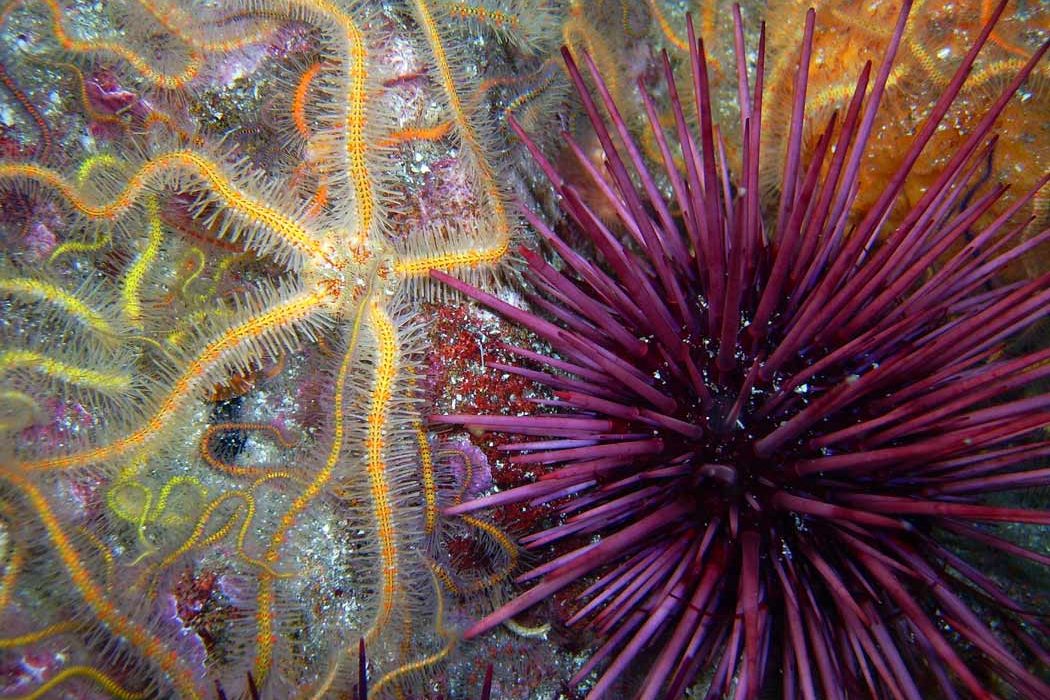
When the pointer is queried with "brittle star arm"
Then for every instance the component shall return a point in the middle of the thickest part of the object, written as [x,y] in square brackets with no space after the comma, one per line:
[474,150]
[265,636]
[285,235]
[94,596]
[296,311]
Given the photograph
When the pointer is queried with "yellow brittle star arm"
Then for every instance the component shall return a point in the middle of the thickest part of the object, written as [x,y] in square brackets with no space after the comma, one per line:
[495,18]
[188,483]
[104,552]
[265,637]
[410,668]
[165,80]
[356,117]
[136,274]
[53,295]
[470,259]
[100,242]
[435,658]
[196,536]
[528,632]
[172,18]
[151,647]
[284,229]
[65,372]
[471,143]
[426,461]
[387,353]
[109,685]
[505,543]
[294,311]
[38,636]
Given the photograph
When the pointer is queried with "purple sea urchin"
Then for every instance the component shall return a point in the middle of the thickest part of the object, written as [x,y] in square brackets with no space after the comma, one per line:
[767,428]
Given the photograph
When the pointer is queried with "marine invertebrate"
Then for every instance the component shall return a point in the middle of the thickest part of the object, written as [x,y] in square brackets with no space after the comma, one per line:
[934,43]
[208,368]
[769,427]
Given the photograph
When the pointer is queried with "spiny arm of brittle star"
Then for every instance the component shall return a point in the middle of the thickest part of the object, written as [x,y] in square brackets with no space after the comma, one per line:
[137,62]
[839,94]
[501,538]
[299,99]
[137,518]
[82,94]
[505,543]
[414,666]
[283,229]
[104,553]
[197,538]
[375,448]
[298,108]
[470,141]
[407,630]
[136,274]
[467,259]
[99,161]
[917,44]
[294,311]
[533,93]
[265,638]
[625,22]
[578,31]
[356,116]
[185,482]
[102,240]
[527,632]
[110,686]
[922,56]
[225,467]
[158,117]
[64,372]
[468,472]
[193,264]
[542,79]
[247,523]
[40,635]
[666,29]
[11,572]
[387,352]
[495,18]
[482,88]
[53,295]
[410,668]
[43,149]
[172,18]
[151,647]
[426,463]
[987,7]
[417,133]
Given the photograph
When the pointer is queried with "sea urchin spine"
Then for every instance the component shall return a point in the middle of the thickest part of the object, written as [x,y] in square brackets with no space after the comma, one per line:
[765,429]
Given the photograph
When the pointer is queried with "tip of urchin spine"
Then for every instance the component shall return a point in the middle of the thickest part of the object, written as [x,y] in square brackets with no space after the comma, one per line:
[490,621]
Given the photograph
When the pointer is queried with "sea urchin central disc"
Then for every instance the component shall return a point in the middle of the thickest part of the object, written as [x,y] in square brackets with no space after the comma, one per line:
[766,425]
